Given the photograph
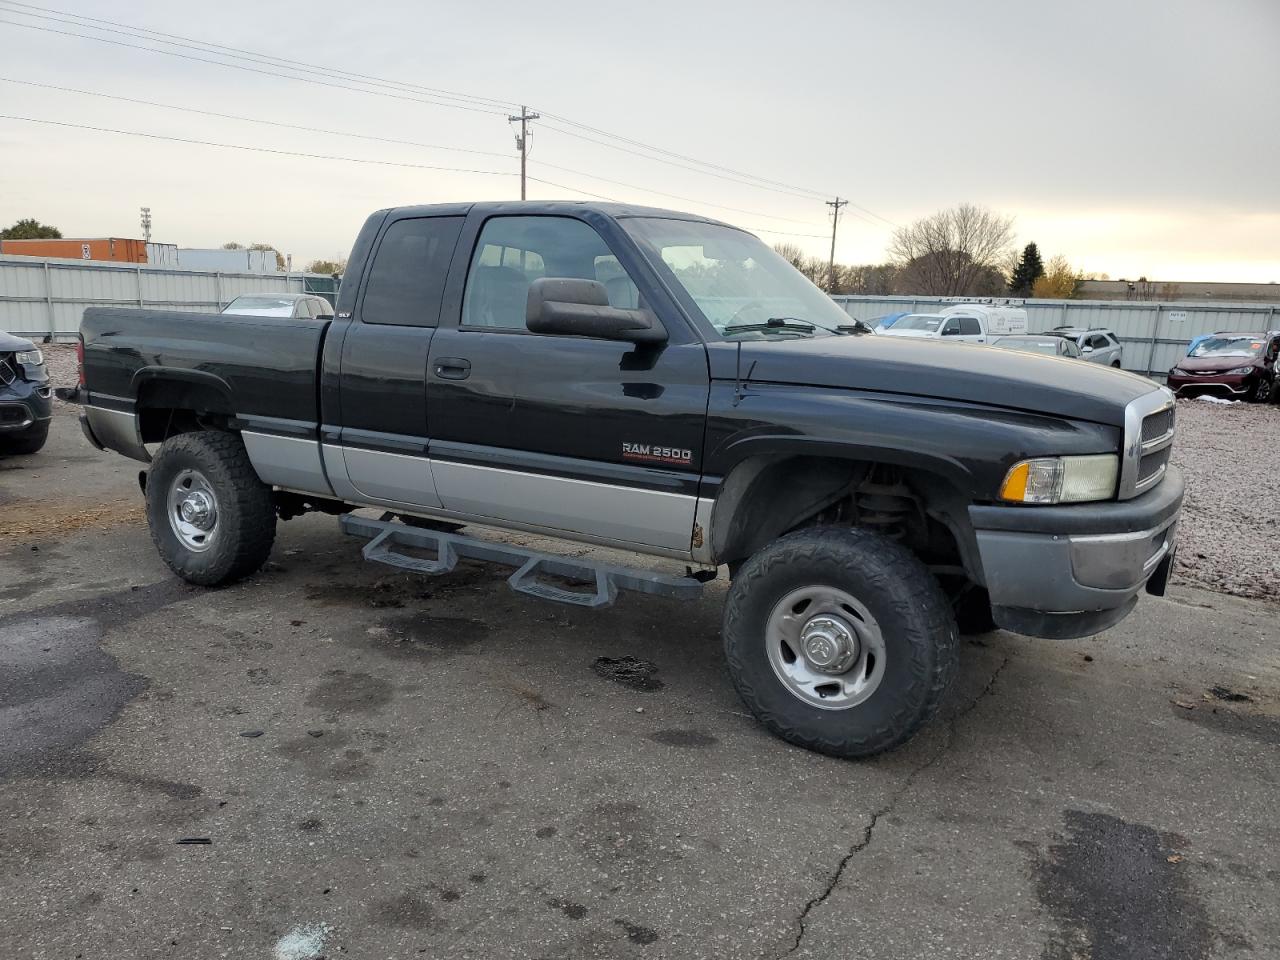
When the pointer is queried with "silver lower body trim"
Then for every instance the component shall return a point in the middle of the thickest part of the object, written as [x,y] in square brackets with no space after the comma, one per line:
[118,431]
[621,514]
[287,461]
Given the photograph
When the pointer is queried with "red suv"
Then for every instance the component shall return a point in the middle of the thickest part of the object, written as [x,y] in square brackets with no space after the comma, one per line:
[1235,364]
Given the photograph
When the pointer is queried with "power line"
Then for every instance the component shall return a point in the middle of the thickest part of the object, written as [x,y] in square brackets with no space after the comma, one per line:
[271,123]
[673,196]
[393,140]
[250,53]
[202,46]
[680,156]
[239,66]
[271,150]
[320,156]
[469,101]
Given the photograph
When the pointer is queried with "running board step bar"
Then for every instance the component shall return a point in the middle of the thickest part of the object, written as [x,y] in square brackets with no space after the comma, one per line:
[449,548]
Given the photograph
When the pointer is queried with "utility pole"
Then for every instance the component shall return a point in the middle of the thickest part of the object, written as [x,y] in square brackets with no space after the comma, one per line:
[522,142]
[835,206]
[146,224]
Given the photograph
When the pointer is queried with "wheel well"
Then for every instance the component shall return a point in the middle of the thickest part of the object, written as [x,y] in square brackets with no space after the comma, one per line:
[764,498]
[171,406]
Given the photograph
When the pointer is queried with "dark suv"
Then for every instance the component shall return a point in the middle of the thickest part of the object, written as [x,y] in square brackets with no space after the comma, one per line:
[1229,364]
[26,398]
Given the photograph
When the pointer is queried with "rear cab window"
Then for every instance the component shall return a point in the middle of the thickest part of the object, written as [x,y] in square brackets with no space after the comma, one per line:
[407,276]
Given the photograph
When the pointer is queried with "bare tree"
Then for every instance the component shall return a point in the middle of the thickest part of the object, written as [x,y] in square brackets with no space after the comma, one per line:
[952,252]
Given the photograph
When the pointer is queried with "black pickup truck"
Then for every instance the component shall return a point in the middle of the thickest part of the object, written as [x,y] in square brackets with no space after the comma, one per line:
[665,384]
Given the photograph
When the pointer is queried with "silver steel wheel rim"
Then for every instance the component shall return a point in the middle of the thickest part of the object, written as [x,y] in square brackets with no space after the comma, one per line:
[193,511]
[825,647]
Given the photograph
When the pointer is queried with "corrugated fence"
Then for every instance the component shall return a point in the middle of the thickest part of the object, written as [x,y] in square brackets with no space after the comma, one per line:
[39,296]
[1155,335]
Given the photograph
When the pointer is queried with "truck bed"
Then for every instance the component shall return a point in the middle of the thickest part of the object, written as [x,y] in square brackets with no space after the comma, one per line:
[263,366]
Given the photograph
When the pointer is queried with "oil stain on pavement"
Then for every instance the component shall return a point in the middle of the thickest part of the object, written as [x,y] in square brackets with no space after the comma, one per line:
[57,689]
[1119,891]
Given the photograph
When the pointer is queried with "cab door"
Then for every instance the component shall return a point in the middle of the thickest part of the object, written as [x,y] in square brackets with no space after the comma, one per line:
[600,438]
[380,454]
[965,329]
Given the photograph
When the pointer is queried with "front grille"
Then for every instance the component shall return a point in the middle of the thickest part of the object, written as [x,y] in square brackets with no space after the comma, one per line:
[1153,464]
[8,369]
[1148,438]
[1157,425]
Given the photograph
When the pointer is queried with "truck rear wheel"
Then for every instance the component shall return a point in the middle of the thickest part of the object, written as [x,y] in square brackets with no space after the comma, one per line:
[839,640]
[212,520]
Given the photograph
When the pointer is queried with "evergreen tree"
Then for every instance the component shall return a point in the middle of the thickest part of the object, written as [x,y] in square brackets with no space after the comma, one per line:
[1029,269]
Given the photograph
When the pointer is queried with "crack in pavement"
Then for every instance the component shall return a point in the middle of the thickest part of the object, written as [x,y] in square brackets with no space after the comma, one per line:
[869,830]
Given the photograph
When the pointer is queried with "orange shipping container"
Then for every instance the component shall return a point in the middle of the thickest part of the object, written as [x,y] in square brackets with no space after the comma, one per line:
[114,249]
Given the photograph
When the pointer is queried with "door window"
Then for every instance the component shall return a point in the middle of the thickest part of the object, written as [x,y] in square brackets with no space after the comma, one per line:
[951,327]
[969,327]
[406,279]
[1099,342]
[512,252]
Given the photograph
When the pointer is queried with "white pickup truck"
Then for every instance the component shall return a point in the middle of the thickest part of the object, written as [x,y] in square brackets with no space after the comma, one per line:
[971,322]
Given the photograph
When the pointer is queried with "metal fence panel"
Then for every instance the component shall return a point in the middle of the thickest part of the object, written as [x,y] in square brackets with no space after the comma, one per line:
[1155,335]
[41,296]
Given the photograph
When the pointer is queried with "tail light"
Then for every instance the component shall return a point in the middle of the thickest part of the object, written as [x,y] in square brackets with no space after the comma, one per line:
[80,361]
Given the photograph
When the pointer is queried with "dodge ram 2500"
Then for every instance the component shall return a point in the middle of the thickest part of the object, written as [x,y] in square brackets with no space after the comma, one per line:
[665,384]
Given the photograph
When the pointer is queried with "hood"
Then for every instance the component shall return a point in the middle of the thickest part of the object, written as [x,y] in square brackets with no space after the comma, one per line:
[1216,364]
[970,373]
[11,344]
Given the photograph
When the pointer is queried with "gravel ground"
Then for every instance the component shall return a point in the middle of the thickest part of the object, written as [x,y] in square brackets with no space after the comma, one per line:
[1230,534]
[1230,455]
[60,358]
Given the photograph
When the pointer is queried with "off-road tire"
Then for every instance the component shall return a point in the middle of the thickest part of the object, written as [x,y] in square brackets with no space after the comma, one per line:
[246,512]
[910,608]
[25,442]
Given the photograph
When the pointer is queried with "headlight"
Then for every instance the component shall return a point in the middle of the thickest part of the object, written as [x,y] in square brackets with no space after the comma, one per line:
[1062,479]
[31,357]
[1240,372]
[1177,372]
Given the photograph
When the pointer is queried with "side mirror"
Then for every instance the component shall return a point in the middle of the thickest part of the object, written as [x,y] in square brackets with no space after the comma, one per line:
[569,306]
[1086,349]
[951,332]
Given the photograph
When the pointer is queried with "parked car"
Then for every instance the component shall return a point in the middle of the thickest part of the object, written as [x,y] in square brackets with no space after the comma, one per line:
[297,305]
[666,385]
[881,324]
[966,323]
[26,397]
[1096,344]
[1230,364]
[1039,343]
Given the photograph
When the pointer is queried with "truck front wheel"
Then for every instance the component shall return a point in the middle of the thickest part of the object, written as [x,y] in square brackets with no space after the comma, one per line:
[211,518]
[839,640]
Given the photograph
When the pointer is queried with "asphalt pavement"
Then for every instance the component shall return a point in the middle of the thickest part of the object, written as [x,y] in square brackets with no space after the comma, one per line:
[335,759]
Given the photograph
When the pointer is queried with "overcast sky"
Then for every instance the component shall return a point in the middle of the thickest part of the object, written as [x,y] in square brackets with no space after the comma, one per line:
[1136,138]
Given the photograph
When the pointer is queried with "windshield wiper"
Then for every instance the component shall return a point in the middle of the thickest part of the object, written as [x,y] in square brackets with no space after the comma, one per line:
[787,324]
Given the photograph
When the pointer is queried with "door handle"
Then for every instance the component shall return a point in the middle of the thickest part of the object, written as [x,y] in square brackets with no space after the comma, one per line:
[453,368]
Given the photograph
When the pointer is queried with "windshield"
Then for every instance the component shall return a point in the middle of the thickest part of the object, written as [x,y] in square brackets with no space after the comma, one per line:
[261,306]
[737,281]
[1228,347]
[1030,346]
[919,321]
